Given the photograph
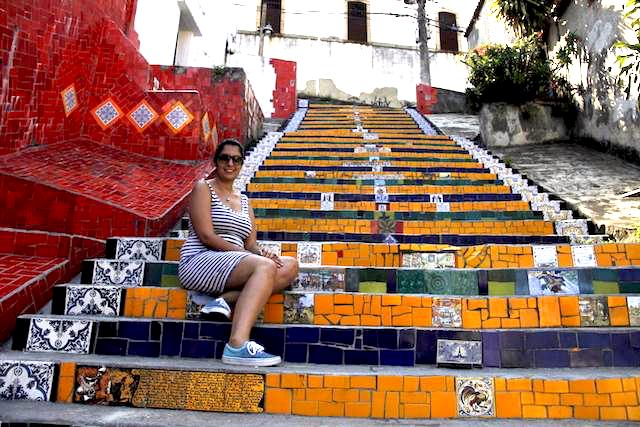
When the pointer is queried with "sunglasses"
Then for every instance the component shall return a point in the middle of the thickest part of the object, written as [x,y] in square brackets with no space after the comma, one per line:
[224,158]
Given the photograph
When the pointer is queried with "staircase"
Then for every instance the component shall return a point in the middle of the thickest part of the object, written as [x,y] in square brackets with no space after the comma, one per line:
[435,282]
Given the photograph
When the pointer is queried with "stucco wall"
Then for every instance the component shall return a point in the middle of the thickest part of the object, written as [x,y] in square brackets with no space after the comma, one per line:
[605,113]
[489,29]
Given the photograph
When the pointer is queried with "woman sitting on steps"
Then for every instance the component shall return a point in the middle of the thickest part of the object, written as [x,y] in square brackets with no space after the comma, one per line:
[221,257]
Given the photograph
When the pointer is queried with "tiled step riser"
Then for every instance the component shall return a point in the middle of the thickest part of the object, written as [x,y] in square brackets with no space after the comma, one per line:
[371,182]
[339,346]
[372,168]
[349,309]
[411,255]
[497,208]
[382,396]
[399,216]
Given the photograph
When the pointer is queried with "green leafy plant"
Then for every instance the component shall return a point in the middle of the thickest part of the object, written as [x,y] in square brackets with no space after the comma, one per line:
[526,17]
[513,74]
[628,57]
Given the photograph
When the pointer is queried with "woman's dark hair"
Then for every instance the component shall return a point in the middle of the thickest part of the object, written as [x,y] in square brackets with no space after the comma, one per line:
[223,144]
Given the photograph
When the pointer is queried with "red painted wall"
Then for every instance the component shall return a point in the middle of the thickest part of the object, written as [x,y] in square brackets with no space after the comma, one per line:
[426,98]
[285,96]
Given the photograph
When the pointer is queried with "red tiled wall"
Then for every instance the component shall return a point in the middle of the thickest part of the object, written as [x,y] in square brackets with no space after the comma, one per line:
[226,93]
[426,98]
[285,97]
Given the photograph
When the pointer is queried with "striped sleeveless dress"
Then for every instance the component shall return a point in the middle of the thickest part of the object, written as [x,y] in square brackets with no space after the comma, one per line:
[203,269]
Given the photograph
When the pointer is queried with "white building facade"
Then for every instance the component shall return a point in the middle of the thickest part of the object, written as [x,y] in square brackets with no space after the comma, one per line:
[365,50]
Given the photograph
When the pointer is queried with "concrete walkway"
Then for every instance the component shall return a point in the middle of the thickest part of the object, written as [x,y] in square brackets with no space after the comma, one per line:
[93,415]
[466,125]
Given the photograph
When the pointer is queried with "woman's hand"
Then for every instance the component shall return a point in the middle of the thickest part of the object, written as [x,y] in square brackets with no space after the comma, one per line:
[272,256]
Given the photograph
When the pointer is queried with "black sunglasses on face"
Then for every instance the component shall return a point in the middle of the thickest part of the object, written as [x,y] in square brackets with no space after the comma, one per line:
[224,158]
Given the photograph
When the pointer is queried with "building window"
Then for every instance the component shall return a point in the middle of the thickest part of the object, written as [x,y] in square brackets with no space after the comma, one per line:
[448,32]
[357,23]
[273,14]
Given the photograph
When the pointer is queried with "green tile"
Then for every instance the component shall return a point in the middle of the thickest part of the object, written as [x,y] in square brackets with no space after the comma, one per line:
[502,288]
[605,275]
[601,287]
[372,275]
[373,287]
[630,287]
[502,275]
[411,282]
[169,281]
[464,283]
[438,282]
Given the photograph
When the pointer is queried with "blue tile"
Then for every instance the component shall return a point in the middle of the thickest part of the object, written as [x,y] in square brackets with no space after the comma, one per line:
[144,349]
[302,335]
[491,349]
[171,339]
[607,358]
[629,275]
[156,330]
[626,358]
[134,330]
[620,340]
[295,353]
[397,357]
[512,339]
[216,331]
[388,338]
[111,346]
[337,336]
[594,340]
[325,355]
[545,339]
[568,339]
[586,358]
[634,339]
[426,347]
[272,339]
[551,358]
[108,329]
[219,349]
[513,359]
[198,349]
[483,282]
[361,357]
[192,330]
[407,339]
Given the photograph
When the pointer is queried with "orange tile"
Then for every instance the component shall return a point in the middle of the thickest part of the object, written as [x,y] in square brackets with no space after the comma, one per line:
[323,304]
[293,380]
[336,381]
[320,394]
[582,386]
[331,409]
[273,380]
[586,413]
[415,410]
[613,413]
[411,383]
[357,409]
[534,411]
[315,381]
[549,312]
[626,398]
[619,316]
[433,384]
[546,398]
[345,395]
[390,383]
[560,412]
[277,401]
[508,405]
[414,397]
[519,384]
[498,307]
[443,404]
[377,406]
[392,405]
[556,386]
[367,382]
[593,399]
[569,306]
[304,407]
[571,399]
[609,385]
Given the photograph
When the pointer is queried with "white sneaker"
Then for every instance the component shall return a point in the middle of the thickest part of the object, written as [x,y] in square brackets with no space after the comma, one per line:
[218,305]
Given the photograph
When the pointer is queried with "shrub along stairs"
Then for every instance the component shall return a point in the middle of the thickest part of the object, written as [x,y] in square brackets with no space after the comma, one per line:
[435,283]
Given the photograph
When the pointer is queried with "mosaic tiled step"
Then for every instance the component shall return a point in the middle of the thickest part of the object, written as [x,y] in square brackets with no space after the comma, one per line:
[398,207]
[421,196]
[416,158]
[332,148]
[378,346]
[372,182]
[369,168]
[388,225]
[370,189]
[366,309]
[391,393]
[458,164]
[398,141]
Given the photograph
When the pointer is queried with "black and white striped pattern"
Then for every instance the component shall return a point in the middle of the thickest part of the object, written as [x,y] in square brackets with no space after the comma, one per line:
[204,270]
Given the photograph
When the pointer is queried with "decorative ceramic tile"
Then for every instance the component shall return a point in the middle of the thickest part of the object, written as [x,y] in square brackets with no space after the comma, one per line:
[25,380]
[139,249]
[178,117]
[577,227]
[382,207]
[370,136]
[429,260]
[273,247]
[443,207]
[93,300]
[594,311]
[310,174]
[377,168]
[359,149]
[553,282]
[381,194]
[411,281]
[451,282]
[540,198]
[459,352]
[206,127]
[66,336]
[633,303]
[69,99]
[475,397]
[390,240]
[436,198]
[303,103]
[142,116]
[310,254]
[386,224]
[583,256]
[298,308]
[119,273]
[327,201]
[545,256]
[588,240]
[558,216]
[107,113]
[320,280]
[446,312]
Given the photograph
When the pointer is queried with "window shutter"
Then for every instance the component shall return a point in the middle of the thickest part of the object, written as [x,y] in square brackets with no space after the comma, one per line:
[448,33]
[274,12]
[357,22]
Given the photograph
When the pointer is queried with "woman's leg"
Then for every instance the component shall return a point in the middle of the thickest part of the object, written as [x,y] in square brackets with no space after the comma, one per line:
[256,276]
[286,274]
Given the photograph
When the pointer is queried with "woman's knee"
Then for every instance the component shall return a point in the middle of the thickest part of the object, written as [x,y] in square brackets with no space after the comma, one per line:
[266,266]
[292,267]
